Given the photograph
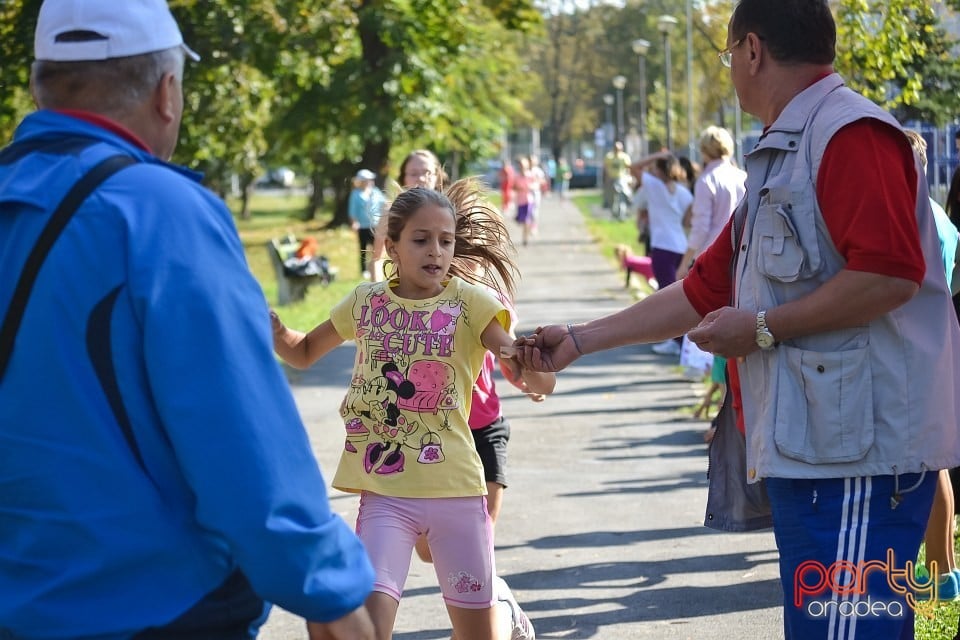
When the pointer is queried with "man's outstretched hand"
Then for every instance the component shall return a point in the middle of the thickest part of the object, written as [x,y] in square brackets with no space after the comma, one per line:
[549,348]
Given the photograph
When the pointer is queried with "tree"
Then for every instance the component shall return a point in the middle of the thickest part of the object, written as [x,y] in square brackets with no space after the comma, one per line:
[418,70]
[894,53]
[18,20]
[584,47]
[327,85]
[251,52]
[562,59]
[937,103]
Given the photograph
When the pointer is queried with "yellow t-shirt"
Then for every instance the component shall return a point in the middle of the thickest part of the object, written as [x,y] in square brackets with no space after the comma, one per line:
[406,411]
[616,164]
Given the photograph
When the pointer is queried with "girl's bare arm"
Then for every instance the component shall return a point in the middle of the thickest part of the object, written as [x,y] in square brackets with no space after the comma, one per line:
[496,339]
[303,349]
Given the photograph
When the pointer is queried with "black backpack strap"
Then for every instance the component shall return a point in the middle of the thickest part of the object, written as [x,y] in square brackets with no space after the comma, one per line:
[61,216]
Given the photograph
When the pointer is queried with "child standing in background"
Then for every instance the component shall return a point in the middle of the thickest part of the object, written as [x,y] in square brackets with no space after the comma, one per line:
[421,339]
[364,207]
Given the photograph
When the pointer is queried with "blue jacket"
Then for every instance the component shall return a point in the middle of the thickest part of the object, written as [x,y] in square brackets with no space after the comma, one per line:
[365,209]
[147,290]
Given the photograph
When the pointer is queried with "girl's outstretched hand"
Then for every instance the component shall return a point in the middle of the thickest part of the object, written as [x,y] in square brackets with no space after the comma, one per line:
[276,323]
[513,371]
[548,349]
[535,397]
[508,360]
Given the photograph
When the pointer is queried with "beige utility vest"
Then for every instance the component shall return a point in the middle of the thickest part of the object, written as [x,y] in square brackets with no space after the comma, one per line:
[877,399]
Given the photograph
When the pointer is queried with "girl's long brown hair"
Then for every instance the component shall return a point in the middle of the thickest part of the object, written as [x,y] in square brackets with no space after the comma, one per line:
[483,252]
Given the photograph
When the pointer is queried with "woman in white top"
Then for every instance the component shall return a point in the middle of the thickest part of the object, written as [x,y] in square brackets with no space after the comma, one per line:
[668,203]
[717,193]
[668,208]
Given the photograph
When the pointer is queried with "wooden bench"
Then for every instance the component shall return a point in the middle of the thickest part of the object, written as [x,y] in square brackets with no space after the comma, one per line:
[295,275]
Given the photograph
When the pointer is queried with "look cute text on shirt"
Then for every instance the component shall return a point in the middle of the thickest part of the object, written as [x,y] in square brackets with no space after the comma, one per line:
[403,330]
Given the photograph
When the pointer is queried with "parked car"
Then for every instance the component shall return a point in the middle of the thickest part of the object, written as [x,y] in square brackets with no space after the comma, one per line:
[586,177]
[282,177]
[488,171]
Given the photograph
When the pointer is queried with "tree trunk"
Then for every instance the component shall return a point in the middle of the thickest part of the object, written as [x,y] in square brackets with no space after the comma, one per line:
[341,176]
[246,191]
[315,200]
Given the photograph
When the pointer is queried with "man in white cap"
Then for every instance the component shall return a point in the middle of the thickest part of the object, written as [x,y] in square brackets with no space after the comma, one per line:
[156,480]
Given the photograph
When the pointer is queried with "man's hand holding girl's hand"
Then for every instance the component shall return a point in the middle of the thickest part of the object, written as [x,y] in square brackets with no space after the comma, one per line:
[548,349]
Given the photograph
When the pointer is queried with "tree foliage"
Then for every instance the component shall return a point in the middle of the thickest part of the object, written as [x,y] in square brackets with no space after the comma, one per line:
[585,46]
[18,19]
[895,53]
[330,86]
[327,86]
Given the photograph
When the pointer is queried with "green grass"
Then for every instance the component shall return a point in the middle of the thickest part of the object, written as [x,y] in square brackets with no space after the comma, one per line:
[606,232]
[277,216]
[609,233]
[943,623]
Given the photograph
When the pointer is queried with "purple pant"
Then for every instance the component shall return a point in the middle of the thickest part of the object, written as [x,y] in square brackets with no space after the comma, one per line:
[665,264]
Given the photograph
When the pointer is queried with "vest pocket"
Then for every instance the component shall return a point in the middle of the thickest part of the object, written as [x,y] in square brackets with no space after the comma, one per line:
[785,232]
[781,256]
[824,410]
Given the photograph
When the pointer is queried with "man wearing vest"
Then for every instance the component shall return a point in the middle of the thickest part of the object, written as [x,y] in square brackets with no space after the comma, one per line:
[155,478]
[827,293]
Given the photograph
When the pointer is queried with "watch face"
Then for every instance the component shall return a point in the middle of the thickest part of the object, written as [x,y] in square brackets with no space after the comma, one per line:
[764,339]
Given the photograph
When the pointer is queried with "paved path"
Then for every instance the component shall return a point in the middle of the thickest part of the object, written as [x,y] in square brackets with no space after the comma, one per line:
[601,532]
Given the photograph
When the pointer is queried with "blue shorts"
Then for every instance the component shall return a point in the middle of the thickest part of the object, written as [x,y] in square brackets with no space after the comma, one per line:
[847,555]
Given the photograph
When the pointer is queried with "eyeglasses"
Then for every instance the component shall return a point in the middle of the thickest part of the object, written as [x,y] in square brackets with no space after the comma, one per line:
[429,173]
[726,56]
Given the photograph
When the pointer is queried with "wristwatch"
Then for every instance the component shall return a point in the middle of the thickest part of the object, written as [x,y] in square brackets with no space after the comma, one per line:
[765,339]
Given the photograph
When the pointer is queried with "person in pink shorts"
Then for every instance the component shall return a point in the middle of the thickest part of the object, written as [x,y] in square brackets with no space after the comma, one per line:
[416,467]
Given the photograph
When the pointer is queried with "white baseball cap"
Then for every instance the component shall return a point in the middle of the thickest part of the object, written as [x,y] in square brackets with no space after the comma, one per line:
[365,174]
[75,30]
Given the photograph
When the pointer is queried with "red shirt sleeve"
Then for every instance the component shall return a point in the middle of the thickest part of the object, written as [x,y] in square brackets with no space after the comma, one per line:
[867,190]
[707,285]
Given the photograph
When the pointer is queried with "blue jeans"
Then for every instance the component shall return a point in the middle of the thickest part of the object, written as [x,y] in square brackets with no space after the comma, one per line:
[827,532]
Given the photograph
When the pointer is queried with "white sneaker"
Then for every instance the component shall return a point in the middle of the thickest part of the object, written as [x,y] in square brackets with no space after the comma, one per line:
[522,627]
[667,348]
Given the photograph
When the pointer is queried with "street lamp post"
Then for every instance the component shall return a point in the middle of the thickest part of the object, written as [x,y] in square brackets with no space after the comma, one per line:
[608,144]
[608,100]
[690,143]
[619,82]
[665,25]
[640,47]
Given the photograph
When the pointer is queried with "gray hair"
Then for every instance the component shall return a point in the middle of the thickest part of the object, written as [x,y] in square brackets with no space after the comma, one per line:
[115,86]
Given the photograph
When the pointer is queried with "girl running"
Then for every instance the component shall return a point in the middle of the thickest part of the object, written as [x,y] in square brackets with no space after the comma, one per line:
[421,338]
